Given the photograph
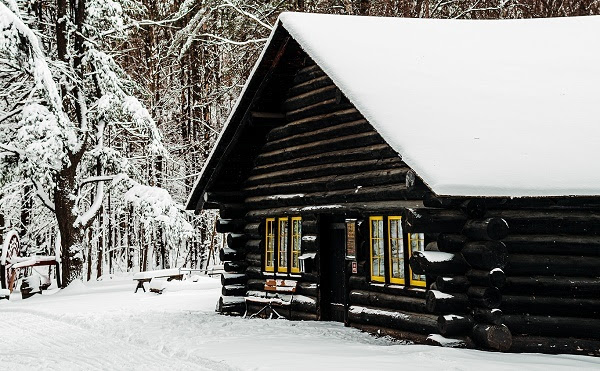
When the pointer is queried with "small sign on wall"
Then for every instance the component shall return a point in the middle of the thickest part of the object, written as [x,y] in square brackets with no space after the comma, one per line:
[354,267]
[350,238]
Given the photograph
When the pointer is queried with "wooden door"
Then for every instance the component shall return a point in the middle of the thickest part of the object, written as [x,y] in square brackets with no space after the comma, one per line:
[333,275]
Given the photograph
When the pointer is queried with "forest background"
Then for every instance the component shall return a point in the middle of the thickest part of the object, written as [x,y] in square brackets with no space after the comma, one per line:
[109,108]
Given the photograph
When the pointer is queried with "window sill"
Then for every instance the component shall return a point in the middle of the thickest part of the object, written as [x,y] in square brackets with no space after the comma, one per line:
[398,287]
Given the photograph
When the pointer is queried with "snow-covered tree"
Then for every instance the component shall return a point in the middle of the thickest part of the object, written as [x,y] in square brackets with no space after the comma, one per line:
[69,115]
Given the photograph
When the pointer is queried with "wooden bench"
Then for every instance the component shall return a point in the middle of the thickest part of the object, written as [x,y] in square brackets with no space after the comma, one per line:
[169,274]
[275,303]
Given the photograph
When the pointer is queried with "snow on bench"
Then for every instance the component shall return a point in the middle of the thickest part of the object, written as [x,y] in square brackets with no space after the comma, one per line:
[148,276]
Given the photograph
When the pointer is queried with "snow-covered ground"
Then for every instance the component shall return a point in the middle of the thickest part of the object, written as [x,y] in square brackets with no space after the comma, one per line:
[104,325]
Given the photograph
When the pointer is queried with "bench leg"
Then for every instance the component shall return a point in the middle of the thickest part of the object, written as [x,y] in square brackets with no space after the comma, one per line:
[139,285]
[259,312]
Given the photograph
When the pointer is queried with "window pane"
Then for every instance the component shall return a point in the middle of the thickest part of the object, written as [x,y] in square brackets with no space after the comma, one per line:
[296,241]
[377,250]
[270,245]
[417,243]
[396,243]
[283,243]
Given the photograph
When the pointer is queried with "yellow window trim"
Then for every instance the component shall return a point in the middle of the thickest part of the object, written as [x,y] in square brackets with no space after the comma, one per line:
[399,281]
[373,277]
[267,267]
[413,282]
[280,268]
[293,247]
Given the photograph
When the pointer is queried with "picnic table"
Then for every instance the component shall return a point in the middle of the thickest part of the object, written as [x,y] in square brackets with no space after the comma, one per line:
[147,276]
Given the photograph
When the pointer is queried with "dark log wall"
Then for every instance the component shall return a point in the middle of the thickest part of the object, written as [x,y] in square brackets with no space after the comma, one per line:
[533,268]
[511,275]
[326,159]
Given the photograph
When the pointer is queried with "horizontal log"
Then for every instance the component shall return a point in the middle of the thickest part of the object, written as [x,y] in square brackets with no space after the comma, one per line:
[558,265]
[377,299]
[308,73]
[307,289]
[394,319]
[256,284]
[352,195]
[254,259]
[359,153]
[458,284]
[339,168]
[485,254]
[255,246]
[553,245]
[232,211]
[433,221]
[451,324]
[303,303]
[391,206]
[441,303]
[325,145]
[554,285]
[297,315]
[254,272]
[361,283]
[549,305]
[234,290]
[228,254]
[418,338]
[524,324]
[235,267]
[452,243]
[493,278]
[583,222]
[490,316]
[326,106]
[230,225]
[315,122]
[473,208]
[496,337]
[233,278]
[341,129]
[490,229]
[314,83]
[311,97]
[437,263]
[284,190]
[485,297]
[231,304]
[554,345]
[236,241]
[255,230]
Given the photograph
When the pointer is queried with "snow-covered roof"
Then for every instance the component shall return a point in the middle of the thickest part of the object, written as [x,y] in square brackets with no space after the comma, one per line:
[475,107]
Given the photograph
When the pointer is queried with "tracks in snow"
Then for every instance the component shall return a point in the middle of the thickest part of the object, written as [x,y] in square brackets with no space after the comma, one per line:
[30,340]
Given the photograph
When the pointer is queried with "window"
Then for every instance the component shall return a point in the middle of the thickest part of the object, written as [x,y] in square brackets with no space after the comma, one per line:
[396,244]
[389,244]
[296,242]
[282,245]
[270,245]
[283,239]
[416,242]
[377,249]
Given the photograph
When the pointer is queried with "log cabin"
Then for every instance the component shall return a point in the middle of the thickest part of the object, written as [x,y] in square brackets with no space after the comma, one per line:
[432,180]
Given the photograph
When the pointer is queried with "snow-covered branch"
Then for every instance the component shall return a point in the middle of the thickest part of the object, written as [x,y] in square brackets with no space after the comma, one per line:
[43,196]
[245,13]
[228,41]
